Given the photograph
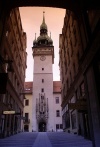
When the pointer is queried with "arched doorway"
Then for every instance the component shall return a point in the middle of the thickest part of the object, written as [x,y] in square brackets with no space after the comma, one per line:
[42,126]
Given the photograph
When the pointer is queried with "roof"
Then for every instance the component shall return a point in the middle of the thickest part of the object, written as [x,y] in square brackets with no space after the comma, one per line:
[28,87]
[56,87]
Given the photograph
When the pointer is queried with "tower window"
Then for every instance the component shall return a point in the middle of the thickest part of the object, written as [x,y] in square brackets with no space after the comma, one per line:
[42,80]
[42,90]
[42,68]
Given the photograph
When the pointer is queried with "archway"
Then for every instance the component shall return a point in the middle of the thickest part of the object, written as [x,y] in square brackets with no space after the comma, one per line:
[42,126]
[66,4]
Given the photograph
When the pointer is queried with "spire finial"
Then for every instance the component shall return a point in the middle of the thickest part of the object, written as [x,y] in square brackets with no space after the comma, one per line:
[35,36]
[43,17]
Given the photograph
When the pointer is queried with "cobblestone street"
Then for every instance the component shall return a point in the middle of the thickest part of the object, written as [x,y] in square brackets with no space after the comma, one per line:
[44,139]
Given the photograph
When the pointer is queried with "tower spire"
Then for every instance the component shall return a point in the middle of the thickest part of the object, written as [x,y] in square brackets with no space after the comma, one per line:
[35,36]
[43,25]
[43,39]
[43,17]
[34,42]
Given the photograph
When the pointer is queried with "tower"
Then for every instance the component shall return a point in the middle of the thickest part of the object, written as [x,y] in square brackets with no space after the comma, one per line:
[43,54]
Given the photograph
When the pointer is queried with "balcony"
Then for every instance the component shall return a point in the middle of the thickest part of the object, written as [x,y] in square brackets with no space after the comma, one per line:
[26,121]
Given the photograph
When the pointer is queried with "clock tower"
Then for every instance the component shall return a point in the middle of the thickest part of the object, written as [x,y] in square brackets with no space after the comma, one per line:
[43,54]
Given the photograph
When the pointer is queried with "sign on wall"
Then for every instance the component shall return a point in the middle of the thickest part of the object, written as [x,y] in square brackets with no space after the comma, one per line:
[8,112]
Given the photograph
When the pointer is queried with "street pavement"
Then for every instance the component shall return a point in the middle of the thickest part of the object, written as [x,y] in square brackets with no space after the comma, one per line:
[43,139]
[63,139]
[24,139]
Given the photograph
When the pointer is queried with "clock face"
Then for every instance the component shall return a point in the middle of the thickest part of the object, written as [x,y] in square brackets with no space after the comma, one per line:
[43,58]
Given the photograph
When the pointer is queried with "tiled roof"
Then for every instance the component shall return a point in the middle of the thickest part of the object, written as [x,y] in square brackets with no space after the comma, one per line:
[28,87]
[56,87]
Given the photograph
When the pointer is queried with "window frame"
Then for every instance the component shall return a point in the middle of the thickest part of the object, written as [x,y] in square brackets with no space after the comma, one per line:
[57,113]
[42,89]
[57,98]
[57,126]
[42,80]
[26,102]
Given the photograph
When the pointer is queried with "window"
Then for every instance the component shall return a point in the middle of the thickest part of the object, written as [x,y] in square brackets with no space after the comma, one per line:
[61,126]
[42,68]
[42,97]
[57,100]
[26,102]
[57,126]
[82,89]
[26,115]
[42,80]
[57,113]
[42,90]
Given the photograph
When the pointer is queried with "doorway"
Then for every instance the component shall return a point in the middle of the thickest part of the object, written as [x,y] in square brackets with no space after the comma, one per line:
[42,127]
[26,128]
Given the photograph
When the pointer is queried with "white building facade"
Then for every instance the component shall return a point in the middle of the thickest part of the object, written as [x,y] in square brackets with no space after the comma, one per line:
[46,97]
[42,124]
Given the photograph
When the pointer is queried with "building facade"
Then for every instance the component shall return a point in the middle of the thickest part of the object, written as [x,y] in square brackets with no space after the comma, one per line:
[46,98]
[12,74]
[79,70]
[28,108]
[27,122]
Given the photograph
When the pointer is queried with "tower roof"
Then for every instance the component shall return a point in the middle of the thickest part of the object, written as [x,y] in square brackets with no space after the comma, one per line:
[43,39]
[35,41]
[56,86]
[43,25]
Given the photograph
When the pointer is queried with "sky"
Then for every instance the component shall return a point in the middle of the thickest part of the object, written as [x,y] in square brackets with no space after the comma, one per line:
[31,18]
